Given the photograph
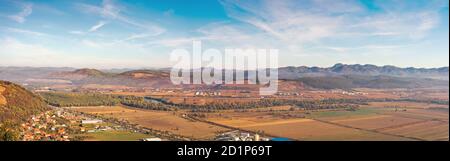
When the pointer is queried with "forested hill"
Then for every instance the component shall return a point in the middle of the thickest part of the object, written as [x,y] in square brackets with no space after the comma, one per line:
[17,104]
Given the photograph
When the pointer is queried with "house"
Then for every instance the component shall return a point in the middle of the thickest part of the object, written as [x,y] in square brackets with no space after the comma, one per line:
[93,121]
[151,139]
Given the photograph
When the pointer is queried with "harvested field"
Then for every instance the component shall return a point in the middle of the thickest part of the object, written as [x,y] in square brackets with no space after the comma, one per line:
[425,114]
[345,114]
[301,129]
[419,123]
[416,122]
[428,130]
[376,122]
[158,120]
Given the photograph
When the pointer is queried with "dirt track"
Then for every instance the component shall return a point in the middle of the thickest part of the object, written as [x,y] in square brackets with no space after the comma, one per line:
[2,98]
[374,131]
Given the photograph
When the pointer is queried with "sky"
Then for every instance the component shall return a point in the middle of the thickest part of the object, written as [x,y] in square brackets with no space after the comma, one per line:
[138,34]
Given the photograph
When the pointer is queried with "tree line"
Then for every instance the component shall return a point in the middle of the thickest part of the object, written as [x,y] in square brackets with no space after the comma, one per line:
[92,99]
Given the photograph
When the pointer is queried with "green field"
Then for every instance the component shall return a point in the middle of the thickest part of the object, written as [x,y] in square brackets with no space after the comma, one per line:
[345,113]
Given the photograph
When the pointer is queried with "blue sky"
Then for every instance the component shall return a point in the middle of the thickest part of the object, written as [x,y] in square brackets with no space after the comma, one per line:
[136,33]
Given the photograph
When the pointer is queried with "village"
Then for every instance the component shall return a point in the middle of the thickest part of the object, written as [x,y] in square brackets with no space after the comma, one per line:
[49,126]
[237,135]
[61,124]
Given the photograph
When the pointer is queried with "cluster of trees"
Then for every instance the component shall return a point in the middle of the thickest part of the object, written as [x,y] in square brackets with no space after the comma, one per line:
[440,102]
[140,102]
[80,99]
[305,104]
[90,99]
[9,131]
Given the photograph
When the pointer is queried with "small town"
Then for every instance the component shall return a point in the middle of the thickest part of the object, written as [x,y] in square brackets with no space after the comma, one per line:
[49,126]
[237,135]
[60,124]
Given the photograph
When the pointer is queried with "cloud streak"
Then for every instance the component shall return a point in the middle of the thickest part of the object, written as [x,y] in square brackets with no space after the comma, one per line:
[295,24]
[110,10]
[26,32]
[20,17]
[99,25]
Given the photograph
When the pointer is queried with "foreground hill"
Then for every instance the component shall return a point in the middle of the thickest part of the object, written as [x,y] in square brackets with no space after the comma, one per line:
[18,104]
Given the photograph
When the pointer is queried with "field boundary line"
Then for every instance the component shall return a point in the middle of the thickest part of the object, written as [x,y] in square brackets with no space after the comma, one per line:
[367,130]
[402,125]
[236,128]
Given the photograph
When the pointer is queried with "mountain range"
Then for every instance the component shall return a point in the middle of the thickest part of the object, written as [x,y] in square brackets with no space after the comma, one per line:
[365,70]
[337,76]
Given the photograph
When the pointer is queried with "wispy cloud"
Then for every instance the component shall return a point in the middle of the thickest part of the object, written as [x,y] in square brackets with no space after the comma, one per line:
[20,17]
[26,32]
[412,25]
[17,53]
[137,36]
[312,21]
[172,42]
[94,28]
[111,10]
[97,26]
[285,20]
[366,47]
[169,12]
[319,32]
[77,32]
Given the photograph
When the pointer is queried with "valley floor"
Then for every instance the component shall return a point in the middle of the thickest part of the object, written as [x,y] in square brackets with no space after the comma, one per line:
[376,121]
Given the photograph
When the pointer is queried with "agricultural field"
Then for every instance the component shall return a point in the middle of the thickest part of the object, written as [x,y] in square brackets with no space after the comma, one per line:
[405,104]
[419,121]
[376,121]
[427,130]
[300,128]
[173,122]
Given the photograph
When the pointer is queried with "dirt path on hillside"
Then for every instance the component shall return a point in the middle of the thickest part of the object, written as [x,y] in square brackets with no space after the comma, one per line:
[2,98]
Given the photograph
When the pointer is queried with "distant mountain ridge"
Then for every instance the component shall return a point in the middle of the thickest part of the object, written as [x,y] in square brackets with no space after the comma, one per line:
[134,78]
[337,76]
[368,70]
[8,73]
[19,74]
